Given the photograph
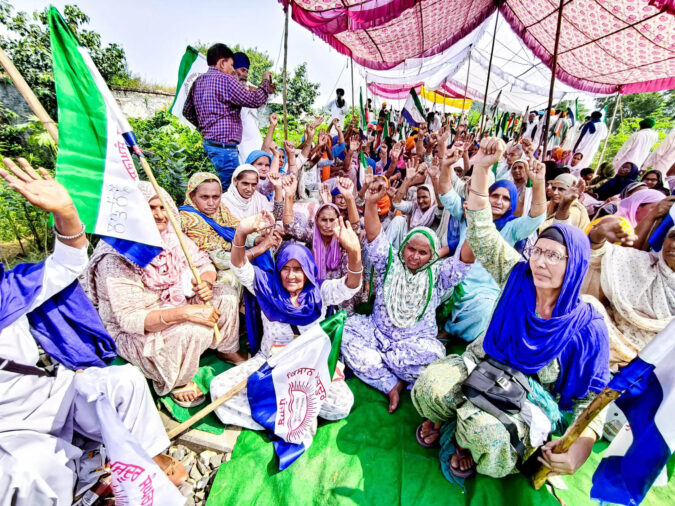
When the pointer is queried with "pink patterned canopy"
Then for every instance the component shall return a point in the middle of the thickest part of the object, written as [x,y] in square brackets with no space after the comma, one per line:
[605,45]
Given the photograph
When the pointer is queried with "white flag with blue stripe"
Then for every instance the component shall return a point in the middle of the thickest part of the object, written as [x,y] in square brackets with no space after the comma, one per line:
[413,111]
[287,392]
[648,401]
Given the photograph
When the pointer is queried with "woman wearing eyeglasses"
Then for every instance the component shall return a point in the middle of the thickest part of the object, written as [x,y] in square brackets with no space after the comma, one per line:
[540,330]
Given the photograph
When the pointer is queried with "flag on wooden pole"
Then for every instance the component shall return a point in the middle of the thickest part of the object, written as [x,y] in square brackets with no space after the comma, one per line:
[93,161]
[192,65]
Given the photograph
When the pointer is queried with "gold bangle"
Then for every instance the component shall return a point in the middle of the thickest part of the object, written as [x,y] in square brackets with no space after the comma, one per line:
[161,318]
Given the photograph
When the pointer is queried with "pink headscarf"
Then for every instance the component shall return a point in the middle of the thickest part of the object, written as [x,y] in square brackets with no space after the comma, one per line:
[325,259]
[163,274]
[629,206]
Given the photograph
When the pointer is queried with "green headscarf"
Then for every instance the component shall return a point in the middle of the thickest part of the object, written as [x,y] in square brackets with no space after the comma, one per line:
[407,295]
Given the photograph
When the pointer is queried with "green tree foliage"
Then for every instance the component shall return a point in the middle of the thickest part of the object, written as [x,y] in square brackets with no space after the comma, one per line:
[301,92]
[26,41]
[639,105]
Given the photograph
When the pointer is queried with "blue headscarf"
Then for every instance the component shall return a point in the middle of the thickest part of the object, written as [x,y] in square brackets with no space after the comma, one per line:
[273,298]
[576,334]
[283,169]
[258,153]
[513,195]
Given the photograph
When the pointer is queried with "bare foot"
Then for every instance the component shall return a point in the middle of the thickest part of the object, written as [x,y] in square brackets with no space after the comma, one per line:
[463,463]
[233,358]
[194,392]
[394,397]
[430,432]
[173,468]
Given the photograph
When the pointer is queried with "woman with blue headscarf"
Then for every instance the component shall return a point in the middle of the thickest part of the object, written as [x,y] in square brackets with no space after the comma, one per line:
[292,300]
[541,329]
[627,174]
[470,309]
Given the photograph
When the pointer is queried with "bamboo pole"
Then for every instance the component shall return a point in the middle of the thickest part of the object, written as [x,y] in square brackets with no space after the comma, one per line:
[352,66]
[576,429]
[466,87]
[179,429]
[611,125]
[487,81]
[285,71]
[554,67]
[29,96]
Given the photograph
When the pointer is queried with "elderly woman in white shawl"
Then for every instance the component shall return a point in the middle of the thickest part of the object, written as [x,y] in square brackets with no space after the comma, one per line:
[243,199]
[423,211]
[636,287]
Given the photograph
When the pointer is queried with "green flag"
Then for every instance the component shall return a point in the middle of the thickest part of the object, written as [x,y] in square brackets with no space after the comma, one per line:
[362,111]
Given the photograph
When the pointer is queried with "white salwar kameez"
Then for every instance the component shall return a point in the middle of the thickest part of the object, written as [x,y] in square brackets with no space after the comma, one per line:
[38,414]
[588,146]
[663,156]
[250,133]
[636,148]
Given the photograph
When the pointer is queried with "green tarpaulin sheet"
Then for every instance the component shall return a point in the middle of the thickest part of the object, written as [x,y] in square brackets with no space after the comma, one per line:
[372,458]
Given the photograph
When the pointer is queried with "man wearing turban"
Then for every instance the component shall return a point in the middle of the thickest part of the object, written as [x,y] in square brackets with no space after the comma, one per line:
[251,140]
[637,146]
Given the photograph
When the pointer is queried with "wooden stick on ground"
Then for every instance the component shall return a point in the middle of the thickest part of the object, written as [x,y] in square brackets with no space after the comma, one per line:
[576,429]
[29,96]
[179,429]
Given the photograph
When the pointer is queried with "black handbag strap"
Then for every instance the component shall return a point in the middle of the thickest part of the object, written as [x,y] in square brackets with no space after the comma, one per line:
[484,404]
[517,375]
[295,329]
[11,366]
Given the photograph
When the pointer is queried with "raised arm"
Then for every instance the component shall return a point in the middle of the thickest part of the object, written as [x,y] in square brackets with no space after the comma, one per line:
[240,94]
[290,186]
[351,244]
[536,171]
[376,191]
[346,187]
[269,136]
[489,247]
[247,226]
[289,147]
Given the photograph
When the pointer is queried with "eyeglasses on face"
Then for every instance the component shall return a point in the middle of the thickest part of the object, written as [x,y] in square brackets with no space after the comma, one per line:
[551,257]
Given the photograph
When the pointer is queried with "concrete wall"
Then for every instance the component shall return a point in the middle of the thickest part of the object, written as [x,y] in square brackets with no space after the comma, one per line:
[134,103]
[141,103]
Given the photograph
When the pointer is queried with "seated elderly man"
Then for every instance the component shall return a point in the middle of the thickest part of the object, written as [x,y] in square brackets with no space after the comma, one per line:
[40,410]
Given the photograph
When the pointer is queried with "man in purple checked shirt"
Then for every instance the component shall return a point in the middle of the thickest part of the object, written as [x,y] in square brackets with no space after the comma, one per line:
[214,105]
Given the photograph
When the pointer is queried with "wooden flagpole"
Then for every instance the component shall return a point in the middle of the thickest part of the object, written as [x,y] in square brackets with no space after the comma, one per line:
[466,87]
[29,96]
[554,66]
[487,81]
[179,429]
[611,125]
[353,103]
[285,71]
[49,124]
[576,429]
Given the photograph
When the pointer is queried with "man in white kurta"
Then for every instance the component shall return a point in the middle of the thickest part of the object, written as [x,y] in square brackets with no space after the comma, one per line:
[40,413]
[251,139]
[637,146]
[337,109]
[592,134]
[663,156]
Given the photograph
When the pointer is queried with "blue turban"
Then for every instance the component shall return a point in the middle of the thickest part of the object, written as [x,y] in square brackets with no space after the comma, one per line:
[241,61]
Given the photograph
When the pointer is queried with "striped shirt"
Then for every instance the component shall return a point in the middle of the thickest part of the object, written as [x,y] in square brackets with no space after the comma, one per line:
[214,104]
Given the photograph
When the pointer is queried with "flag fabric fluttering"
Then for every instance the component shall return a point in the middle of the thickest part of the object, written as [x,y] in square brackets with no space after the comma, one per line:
[192,65]
[385,131]
[93,161]
[648,402]
[287,392]
[362,111]
[413,112]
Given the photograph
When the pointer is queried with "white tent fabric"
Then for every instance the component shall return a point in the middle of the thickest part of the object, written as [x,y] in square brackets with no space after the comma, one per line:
[520,76]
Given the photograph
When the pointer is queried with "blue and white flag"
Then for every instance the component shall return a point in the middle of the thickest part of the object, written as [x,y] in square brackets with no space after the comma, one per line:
[287,392]
[648,401]
[413,111]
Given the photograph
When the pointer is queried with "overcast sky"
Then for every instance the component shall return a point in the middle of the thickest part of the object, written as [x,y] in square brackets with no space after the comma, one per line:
[154,34]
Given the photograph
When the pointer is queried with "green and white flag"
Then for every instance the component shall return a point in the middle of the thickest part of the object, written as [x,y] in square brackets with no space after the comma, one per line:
[385,131]
[362,111]
[192,65]
[93,160]
[413,111]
